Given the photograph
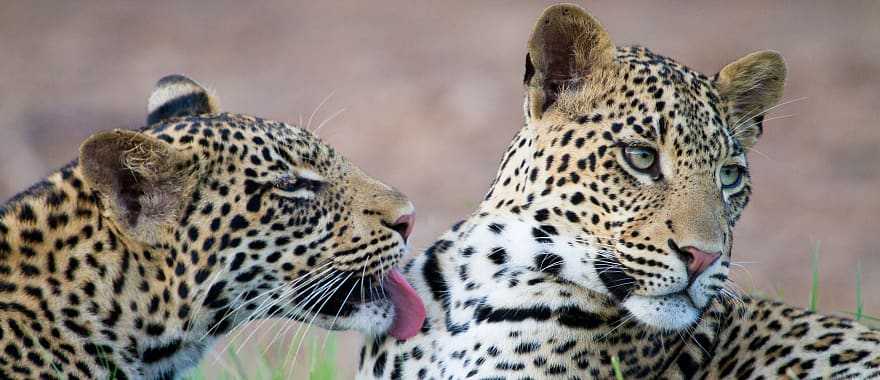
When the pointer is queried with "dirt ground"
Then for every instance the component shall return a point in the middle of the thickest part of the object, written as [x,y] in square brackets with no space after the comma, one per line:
[427,95]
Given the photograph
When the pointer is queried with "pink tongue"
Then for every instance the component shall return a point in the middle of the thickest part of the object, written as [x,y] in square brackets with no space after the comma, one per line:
[409,311]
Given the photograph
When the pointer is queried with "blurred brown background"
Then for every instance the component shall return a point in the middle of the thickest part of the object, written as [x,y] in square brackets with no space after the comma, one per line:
[431,95]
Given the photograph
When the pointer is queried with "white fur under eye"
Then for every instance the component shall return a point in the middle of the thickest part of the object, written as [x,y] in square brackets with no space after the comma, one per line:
[310,175]
[299,194]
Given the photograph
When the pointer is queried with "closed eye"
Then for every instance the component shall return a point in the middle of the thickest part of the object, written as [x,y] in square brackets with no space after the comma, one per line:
[298,187]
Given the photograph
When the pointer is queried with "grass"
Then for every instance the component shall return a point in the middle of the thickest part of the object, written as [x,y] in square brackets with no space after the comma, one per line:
[322,366]
[814,286]
[325,367]
[615,364]
[860,305]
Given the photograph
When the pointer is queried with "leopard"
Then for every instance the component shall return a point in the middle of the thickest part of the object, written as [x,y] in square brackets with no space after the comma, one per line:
[131,261]
[603,247]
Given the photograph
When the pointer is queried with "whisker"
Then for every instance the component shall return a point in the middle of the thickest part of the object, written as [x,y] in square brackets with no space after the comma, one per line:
[312,321]
[331,280]
[741,130]
[291,289]
[294,287]
[622,322]
[303,308]
[694,339]
[200,304]
[755,114]
[268,293]
[327,120]
[335,317]
[315,309]
[318,108]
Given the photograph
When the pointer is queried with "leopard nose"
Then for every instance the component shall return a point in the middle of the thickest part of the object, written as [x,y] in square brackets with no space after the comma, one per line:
[697,260]
[404,225]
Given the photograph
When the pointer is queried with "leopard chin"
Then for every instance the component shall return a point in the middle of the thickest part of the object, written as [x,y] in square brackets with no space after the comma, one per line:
[371,319]
[673,312]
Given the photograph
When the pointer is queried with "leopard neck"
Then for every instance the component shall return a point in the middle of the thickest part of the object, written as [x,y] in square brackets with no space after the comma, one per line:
[61,259]
[512,181]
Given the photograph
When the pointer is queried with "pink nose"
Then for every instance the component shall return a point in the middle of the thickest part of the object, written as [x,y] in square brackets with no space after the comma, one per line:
[698,261]
[404,225]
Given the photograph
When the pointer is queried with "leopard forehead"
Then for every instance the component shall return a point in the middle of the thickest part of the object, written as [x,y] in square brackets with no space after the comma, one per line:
[243,160]
[656,99]
[236,137]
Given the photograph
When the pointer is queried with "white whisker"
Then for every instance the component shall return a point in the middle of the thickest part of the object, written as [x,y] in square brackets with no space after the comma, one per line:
[318,108]
[327,120]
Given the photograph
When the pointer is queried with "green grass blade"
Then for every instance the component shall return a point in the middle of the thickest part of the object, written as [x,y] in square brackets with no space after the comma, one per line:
[860,306]
[236,362]
[814,288]
[615,363]
[264,368]
[325,364]
[196,374]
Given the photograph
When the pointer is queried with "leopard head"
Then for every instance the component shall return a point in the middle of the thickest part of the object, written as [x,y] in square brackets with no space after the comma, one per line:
[636,163]
[249,218]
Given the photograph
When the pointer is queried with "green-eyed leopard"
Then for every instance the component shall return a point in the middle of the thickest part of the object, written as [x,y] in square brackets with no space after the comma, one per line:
[606,234]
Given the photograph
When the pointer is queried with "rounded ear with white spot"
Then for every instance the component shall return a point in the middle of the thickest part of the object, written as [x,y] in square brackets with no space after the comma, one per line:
[749,87]
[141,180]
[567,45]
[176,96]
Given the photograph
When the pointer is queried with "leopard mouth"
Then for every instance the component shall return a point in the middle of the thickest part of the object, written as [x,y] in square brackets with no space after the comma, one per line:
[346,295]
[392,290]
[363,291]
[673,311]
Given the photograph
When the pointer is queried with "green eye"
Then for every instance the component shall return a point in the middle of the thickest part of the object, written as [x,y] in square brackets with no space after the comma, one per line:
[641,158]
[730,176]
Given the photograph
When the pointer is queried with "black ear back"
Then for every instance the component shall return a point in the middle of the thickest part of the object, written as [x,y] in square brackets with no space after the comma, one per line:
[176,96]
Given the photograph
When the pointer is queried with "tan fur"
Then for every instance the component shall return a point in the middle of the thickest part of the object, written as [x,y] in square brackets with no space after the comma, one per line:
[750,86]
[566,47]
[160,172]
[577,255]
[135,259]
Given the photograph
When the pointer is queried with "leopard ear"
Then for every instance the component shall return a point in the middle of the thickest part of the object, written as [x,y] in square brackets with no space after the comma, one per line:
[176,96]
[567,45]
[749,87]
[141,180]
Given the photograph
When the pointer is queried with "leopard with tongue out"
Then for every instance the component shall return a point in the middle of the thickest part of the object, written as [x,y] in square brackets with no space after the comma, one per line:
[607,234]
[132,260]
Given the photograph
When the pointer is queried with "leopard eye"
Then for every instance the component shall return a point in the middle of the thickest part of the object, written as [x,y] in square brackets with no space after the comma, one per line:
[299,187]
[642,159]
[730,176]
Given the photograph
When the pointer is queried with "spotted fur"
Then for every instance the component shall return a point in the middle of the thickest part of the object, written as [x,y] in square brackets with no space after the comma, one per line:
[131,261]
[579,255]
